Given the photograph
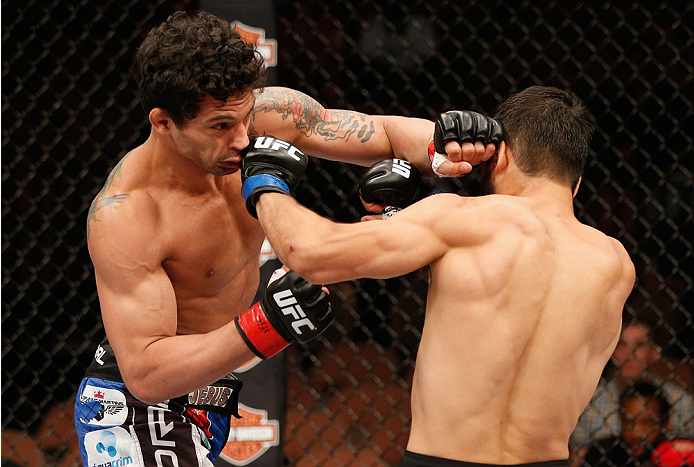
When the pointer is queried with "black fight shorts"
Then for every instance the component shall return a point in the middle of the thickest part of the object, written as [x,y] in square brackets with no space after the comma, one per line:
[116,429]
[412,459]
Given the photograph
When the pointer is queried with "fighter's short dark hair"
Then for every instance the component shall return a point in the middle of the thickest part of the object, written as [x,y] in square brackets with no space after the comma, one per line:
[549,131]
[191,56]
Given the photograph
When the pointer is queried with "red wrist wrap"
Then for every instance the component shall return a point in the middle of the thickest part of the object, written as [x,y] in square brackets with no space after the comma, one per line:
[258,333]
[432,150]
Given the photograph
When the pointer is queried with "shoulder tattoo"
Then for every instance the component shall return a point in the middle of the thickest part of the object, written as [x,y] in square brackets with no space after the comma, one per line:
[102,201]
[311,118]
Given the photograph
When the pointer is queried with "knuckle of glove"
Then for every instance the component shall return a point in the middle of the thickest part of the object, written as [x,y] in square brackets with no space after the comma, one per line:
[496,132]
[371,181]
[486,129]
[480,127]
[449,126]
[454,125]
[465,126]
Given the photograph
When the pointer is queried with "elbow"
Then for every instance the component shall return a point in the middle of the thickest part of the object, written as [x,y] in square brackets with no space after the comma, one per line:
[145,391]
[305,260]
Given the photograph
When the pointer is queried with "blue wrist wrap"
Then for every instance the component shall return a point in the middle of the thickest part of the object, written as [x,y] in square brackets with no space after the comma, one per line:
[256,181]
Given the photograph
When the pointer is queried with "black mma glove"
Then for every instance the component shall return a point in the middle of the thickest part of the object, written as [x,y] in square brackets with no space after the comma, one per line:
[270,164]
[292,310]
[463,126]
[393,182]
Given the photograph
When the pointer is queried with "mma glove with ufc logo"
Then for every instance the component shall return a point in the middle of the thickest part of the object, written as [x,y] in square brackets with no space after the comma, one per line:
[292,310]
[269,164]
[393,182]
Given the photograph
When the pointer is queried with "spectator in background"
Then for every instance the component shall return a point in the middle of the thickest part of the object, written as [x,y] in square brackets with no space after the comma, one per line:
[644,440]
[644,422]
[633,359]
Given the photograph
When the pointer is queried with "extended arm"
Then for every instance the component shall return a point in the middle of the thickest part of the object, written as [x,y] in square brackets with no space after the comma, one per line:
[326,252]
[358,138]
[341,135]
[323,251]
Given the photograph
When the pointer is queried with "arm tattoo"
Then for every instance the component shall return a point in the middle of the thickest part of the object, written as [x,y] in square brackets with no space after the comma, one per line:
[311,118]
[102,201]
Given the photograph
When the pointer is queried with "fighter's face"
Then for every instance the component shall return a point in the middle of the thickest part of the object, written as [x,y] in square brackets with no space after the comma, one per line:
[213,140]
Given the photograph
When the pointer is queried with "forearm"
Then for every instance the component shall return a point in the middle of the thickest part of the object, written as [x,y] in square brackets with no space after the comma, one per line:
[410,138]
[341,135]
[176,365]
[326,252]
[323,251]
[294,232]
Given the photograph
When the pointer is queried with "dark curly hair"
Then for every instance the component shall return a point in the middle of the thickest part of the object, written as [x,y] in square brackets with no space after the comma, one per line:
[191,56]
[549,131]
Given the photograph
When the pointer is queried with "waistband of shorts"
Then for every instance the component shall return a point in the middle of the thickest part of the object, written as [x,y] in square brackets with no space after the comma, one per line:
[422,460]
[103,365]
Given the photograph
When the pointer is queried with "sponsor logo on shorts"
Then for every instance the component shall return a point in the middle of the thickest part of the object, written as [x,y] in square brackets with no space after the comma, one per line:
[266,47]
[251,436]
[98,355]
[113,409]
[158,431]
[212,395]
[113,447]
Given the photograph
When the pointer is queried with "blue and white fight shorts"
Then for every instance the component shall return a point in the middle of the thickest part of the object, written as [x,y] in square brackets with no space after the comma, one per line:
[116,429]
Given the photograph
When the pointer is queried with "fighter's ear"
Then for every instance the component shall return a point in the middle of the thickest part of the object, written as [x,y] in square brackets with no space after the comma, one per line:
[502,157]
[160,120]
[578,183]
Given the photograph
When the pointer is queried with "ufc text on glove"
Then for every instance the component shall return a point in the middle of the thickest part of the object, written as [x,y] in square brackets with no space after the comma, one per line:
[270,165]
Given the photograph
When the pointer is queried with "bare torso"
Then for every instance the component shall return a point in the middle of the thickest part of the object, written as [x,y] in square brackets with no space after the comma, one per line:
[516,334]
[209,245]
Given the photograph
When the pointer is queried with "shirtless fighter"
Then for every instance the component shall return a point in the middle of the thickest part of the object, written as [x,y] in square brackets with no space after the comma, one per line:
[176,255]
[524,303]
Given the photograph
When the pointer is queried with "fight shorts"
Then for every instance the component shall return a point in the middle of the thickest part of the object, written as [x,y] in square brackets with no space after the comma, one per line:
[412,459]
[116,429]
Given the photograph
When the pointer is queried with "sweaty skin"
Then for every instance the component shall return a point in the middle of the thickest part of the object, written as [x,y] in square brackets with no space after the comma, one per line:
[523,311]
[176,254]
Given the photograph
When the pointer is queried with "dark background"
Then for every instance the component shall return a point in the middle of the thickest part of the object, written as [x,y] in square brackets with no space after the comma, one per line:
[69,112]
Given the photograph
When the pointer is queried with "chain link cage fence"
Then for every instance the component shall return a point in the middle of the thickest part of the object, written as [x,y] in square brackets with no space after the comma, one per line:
[69,112]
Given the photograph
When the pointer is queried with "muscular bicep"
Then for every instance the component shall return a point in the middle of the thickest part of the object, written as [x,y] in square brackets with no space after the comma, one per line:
[341,135]
[138,308]
[138,304]
[380,249]
[326,252]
